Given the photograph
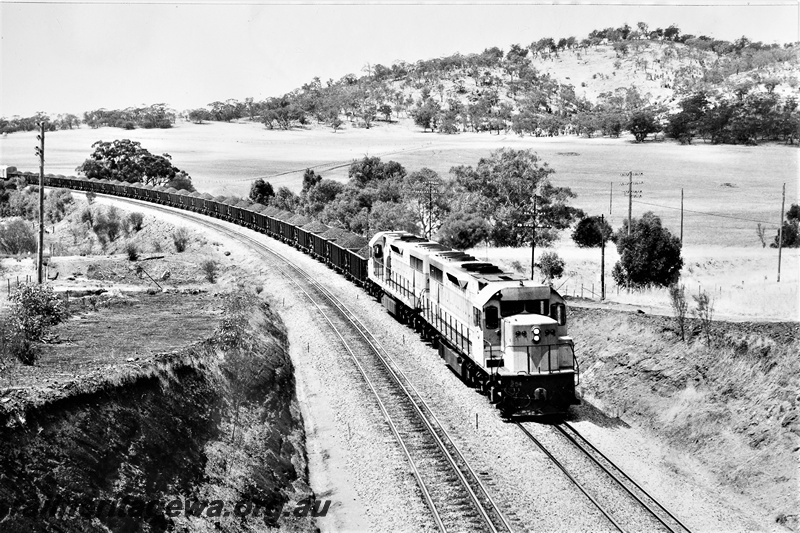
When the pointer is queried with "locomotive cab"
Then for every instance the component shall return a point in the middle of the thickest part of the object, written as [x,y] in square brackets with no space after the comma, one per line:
[527,348]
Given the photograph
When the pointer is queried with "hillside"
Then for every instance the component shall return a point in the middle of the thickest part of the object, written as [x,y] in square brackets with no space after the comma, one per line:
[745,92]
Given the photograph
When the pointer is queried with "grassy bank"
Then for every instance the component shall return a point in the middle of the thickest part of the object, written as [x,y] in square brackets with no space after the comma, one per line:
[216,421]
[733,404]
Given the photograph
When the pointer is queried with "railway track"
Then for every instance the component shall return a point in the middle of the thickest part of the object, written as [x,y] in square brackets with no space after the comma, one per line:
[457,497]
[629,507]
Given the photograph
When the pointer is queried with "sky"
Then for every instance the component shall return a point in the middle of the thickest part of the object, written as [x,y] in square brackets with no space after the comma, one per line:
[70,57]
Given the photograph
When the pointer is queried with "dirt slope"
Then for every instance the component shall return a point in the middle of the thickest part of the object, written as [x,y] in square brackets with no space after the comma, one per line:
[733,405]
[216,421]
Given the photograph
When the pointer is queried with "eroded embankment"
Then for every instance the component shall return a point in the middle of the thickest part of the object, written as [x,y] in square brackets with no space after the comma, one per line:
[733,404]
[217,422]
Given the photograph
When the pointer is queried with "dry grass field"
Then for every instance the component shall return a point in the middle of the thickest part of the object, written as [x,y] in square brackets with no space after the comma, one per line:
[727,190]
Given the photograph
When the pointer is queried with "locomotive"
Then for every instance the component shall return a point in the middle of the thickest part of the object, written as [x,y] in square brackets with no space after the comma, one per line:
[499,332]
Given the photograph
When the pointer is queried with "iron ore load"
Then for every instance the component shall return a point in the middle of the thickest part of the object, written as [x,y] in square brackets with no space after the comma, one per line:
[501,333]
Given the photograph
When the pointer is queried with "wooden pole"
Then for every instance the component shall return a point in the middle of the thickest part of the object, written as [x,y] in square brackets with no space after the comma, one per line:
[630,200]
[602,259]
[681,217]
[533,238]
[40,248]
[780,232]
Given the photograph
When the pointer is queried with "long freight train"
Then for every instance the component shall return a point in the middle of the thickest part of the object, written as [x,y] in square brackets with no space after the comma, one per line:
[501,333]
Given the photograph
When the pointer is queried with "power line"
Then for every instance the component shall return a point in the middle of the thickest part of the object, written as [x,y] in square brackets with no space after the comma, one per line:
[707,214]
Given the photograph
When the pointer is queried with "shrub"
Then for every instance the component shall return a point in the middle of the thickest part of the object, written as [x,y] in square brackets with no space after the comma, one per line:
[209,268]
[677,296]
[78,231]
[17,346]
[704,312]
[35,308]
[551,265]
[590,231]
[113,224]
[90,196]
[135,221]
[180,238]
[791,229]
[156,246]
[651,255]
[87,217]
[57,204]
[131,251]
[16,237]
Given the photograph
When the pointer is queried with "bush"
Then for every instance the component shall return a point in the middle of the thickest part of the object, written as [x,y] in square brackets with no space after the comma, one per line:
[17,346]
[156,246]
[261,191]
[131,251]
[90,196]
[677,296]
[16,237]
[590,231]
[113,224]
[87,217]
[209,268]
[704,312]
[651,255]
[551,265]
[57,204]
[34,310]
[180,238]
[791,229]
[135,221]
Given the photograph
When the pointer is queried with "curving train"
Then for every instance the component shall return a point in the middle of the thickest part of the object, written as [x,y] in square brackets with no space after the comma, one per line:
[501,333]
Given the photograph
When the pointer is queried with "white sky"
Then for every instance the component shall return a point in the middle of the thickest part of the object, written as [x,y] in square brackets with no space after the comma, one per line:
[71,57]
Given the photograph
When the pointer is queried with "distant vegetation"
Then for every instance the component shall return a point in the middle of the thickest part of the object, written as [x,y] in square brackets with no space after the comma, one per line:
[489,202]
[721,91]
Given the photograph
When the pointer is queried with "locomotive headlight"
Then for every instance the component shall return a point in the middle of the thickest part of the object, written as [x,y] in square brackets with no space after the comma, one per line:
[535,334]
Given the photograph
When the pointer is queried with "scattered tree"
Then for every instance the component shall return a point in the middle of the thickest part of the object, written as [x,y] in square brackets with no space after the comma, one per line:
[502,189]
[126,160]
[16,237]
[651,255]
[791,229]
[641,124]
[592,232]
[261,191]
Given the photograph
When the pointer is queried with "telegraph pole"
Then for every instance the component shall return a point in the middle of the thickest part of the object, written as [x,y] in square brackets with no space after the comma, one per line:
[631,194]
[681,217]
[780,232]
[602,259]
[40,250]
[533,226]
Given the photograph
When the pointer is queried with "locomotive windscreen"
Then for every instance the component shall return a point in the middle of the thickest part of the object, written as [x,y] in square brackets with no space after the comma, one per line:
[512,307]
